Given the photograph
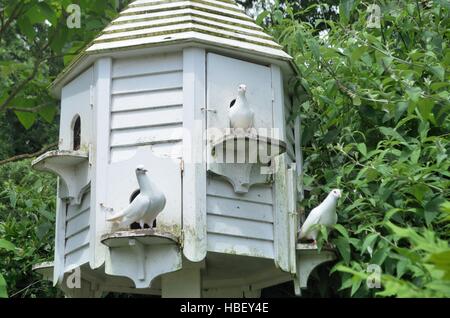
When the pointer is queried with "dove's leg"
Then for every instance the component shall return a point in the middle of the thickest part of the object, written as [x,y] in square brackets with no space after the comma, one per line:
[142,224]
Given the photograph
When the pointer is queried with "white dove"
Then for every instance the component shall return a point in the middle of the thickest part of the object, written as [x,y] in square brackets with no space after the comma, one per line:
[145,207]
[240,114]
[324,213]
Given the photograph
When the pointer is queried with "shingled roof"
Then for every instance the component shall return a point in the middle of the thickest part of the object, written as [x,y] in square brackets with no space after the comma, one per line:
[157,21]
[150,23]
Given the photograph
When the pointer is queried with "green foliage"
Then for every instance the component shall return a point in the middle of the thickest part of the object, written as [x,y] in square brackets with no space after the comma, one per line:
[27,205]
[35,44]
[8,246]
[375,110]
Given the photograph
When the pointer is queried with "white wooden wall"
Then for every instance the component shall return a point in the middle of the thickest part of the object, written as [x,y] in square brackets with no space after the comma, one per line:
[147,105]
[72,235]
[239,224]
[77,234]
[76,100]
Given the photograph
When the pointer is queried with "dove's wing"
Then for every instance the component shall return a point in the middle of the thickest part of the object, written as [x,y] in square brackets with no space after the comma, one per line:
[134,210]
[312,219]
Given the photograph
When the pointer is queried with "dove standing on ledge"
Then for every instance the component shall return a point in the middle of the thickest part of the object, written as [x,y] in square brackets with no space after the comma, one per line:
[324,214]
[145,207]
[241,115]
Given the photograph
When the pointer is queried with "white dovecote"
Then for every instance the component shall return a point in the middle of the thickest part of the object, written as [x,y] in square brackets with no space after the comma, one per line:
[154,91]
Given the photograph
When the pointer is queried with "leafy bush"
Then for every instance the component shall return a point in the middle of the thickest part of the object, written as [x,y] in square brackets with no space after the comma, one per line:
[375,109]
[27,205]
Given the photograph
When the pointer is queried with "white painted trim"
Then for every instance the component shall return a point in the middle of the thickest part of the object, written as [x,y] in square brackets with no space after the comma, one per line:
[101,114]
[194,177]
[281,221]
[60,225]
[299,156]
[292,216]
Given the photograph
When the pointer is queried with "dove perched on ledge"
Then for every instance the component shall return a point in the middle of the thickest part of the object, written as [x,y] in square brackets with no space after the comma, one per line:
[145,207]
[240,114]
[324,213]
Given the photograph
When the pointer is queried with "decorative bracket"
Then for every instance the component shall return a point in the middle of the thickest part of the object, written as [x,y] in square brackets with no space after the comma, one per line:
[71,167]
[308,258]
[142,255]
[243,157]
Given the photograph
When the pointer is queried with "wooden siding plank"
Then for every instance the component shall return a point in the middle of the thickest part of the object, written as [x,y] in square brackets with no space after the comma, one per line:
[170,150]
[81,221]
[146,100]
[240,246]
[147,117]
[76,258]
[145,83]
[239,209]
[257,193]
[146,136]
[77,241]
[240,228]
[145,65]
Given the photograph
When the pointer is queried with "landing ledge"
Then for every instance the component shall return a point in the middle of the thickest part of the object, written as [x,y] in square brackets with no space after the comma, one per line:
[250,146]
[145,237]
[59,158]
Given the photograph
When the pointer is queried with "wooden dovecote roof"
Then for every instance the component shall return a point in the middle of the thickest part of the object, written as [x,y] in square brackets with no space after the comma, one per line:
[150,23]
[158,21]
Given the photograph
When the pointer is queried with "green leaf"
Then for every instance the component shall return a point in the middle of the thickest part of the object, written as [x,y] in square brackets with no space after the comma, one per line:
[356,101]
[400,109]
[42,230]
[343,248]
[48,113]
[362,149]
[390,132]
[415,155]
[314,47]
[3,291]
[26,28]
[369,243]
[425,108]
[13,198]
[261,17]
[438,71]
[342,230]
[414,93]
[26,119]
[345,9]
[419,191]
[356,285]
[6,245]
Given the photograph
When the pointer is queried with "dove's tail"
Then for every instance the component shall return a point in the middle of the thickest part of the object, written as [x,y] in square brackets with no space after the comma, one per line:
[117,217]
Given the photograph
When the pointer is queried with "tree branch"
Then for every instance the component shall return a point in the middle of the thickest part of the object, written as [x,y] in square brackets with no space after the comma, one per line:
[15,13]
[21,86]
[28,155]
[33,110]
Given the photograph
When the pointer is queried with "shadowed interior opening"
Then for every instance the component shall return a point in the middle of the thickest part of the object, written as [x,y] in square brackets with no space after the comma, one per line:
[77,134]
